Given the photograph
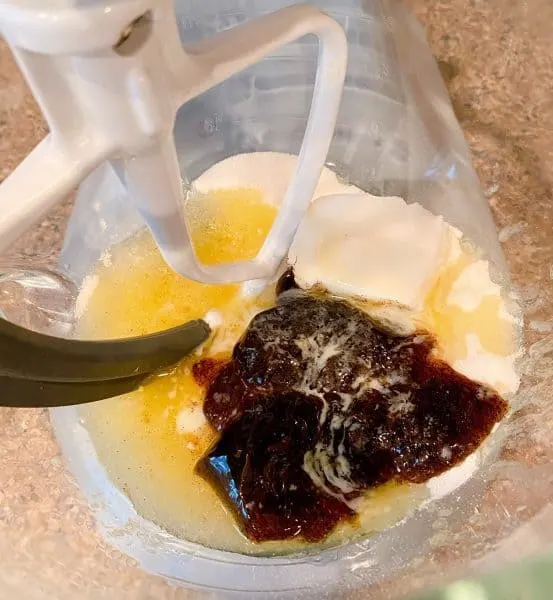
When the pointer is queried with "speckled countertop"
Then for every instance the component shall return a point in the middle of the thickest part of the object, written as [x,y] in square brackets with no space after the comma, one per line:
[497,59]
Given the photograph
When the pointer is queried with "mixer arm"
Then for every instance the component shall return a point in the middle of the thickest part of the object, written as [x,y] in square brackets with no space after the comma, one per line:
[46,176]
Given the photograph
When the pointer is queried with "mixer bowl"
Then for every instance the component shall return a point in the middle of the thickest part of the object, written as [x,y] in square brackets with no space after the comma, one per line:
[396,134]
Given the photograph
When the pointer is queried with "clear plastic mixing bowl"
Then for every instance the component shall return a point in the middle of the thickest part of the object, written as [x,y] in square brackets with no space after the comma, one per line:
[396,134]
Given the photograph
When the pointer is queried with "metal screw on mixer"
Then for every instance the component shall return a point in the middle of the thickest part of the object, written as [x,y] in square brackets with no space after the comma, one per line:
[134,35]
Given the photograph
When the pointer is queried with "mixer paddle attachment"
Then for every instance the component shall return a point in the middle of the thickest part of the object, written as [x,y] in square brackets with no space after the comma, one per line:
[110,77]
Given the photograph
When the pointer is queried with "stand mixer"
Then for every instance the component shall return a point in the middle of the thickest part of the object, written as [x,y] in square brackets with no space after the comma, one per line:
[109,77]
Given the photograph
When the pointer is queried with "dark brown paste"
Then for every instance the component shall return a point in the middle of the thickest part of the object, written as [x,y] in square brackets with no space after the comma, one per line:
[318,404]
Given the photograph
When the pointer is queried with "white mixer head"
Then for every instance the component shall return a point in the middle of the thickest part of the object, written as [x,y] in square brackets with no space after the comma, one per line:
[110,75]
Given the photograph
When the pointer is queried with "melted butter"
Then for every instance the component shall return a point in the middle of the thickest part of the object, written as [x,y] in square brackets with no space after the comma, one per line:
[137,436]
[452,324]
[227,225]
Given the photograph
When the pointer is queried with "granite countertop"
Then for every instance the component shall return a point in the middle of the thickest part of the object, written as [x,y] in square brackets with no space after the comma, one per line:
[497,59]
